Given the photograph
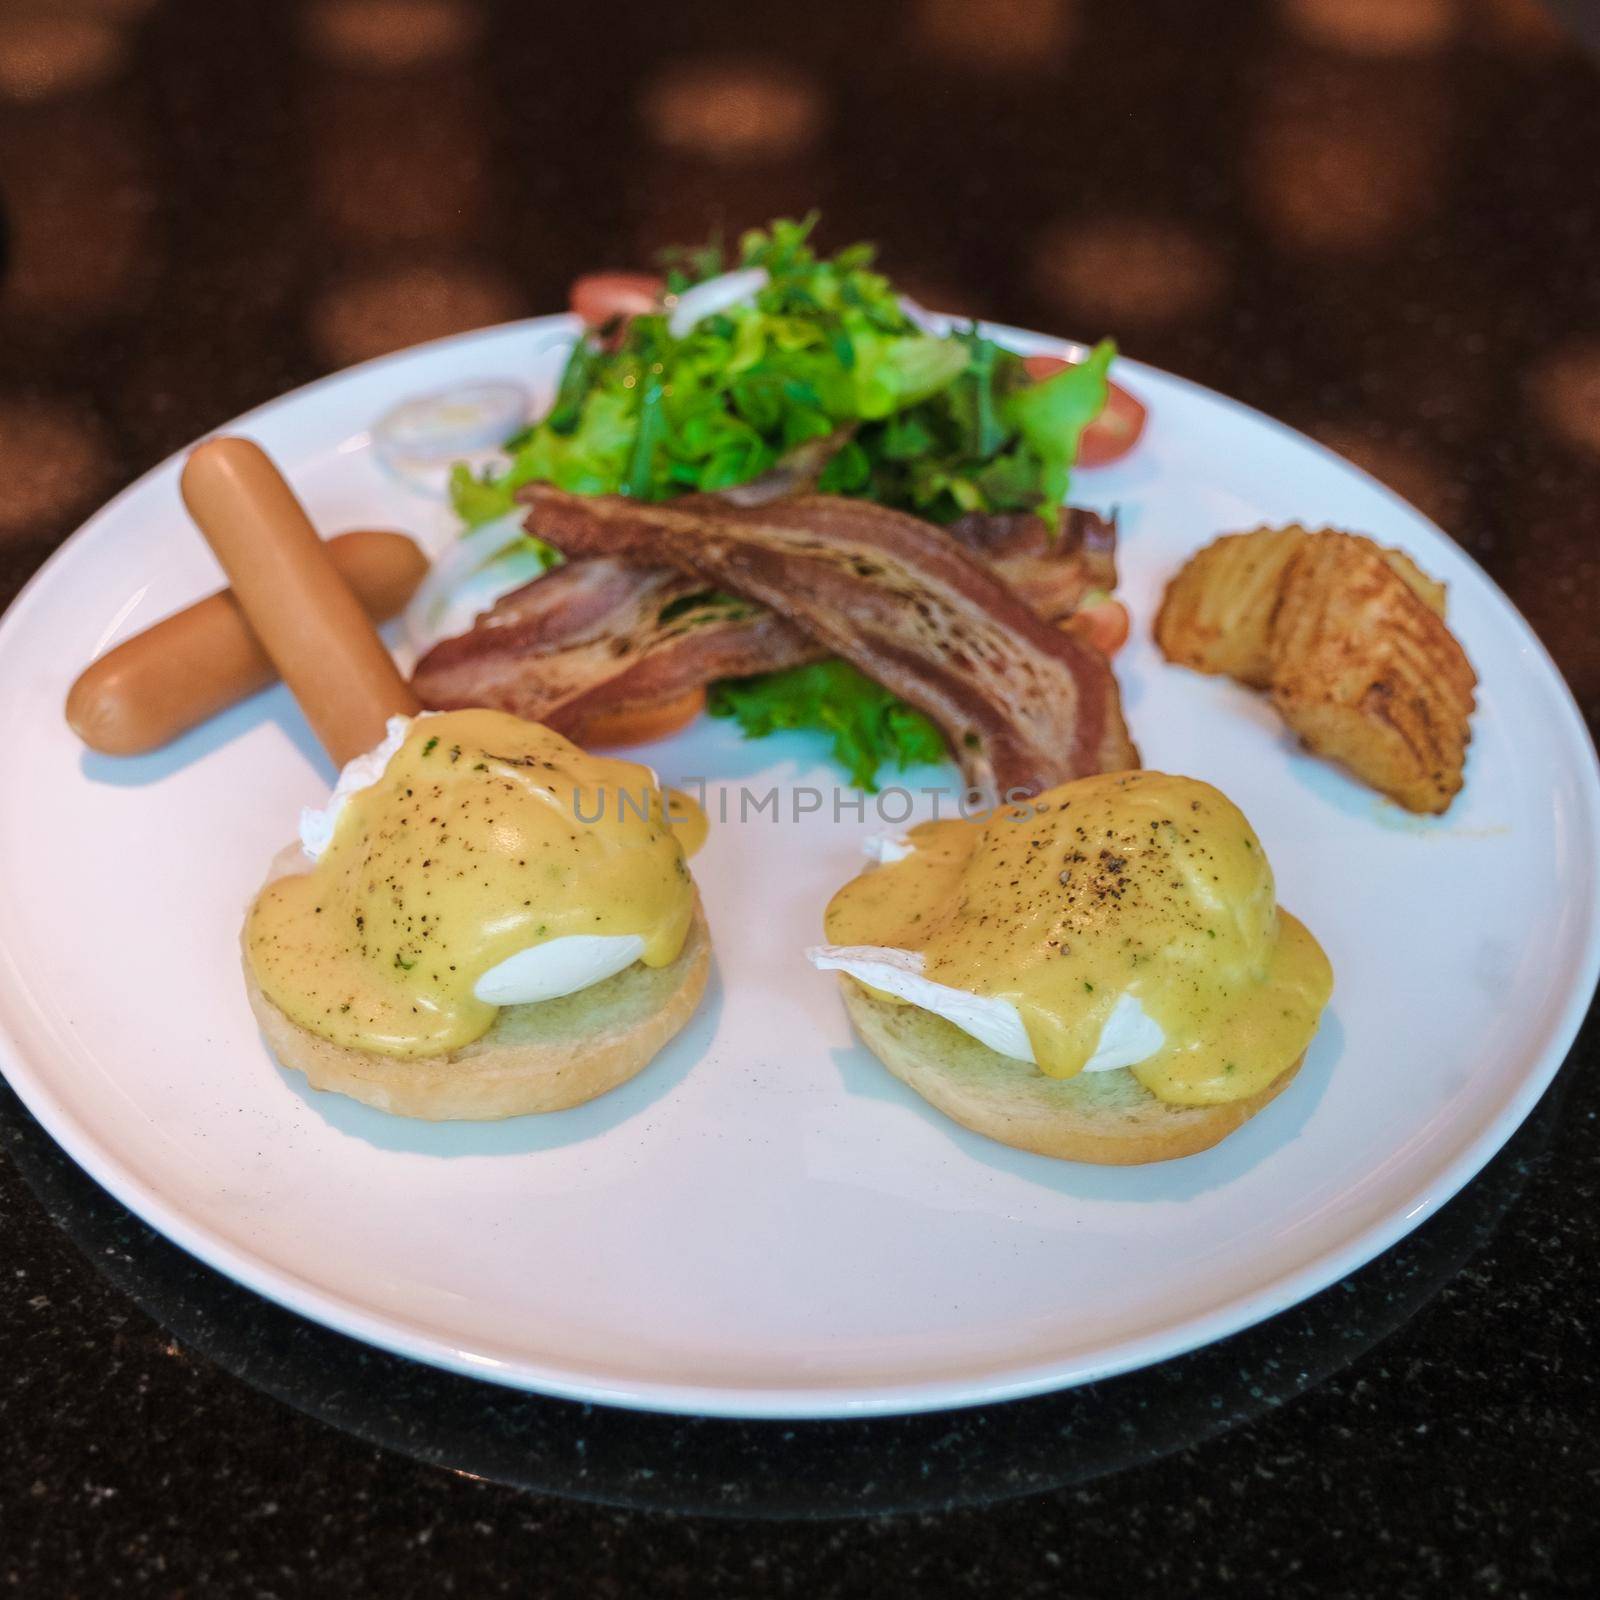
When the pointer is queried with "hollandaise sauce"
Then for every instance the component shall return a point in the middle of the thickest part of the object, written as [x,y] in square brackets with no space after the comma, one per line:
[485,836]
[1135,883]
[687,819]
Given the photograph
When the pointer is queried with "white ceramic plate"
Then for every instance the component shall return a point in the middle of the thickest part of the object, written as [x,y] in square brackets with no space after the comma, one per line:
[765,1223]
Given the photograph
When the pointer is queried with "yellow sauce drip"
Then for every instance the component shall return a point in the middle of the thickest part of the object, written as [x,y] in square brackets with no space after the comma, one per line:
[1135,883]
[485,835]
[687,819]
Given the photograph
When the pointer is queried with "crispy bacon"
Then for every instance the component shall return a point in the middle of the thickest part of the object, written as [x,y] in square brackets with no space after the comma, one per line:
[602,633]
[1023,705]
[1052,570]
[597,635]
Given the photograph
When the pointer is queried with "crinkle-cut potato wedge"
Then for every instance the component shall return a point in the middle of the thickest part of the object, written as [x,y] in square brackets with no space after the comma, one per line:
[1428,590]
[1367,674]
[1349,638]
[1217,613]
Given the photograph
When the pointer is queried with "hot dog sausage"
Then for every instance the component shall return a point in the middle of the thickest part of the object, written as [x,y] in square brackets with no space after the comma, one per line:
[307,619]
[147,690]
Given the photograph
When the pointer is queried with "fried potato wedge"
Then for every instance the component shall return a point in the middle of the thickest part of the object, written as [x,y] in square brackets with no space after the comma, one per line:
[1366,673]
[1347,636]
[1428,590]
[1216,615]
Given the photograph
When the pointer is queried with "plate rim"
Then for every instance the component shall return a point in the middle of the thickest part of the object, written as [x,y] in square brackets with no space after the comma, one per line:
[1169,1340]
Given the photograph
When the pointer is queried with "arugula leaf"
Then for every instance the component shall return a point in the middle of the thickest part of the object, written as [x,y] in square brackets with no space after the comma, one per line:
[868,728]
[578,379]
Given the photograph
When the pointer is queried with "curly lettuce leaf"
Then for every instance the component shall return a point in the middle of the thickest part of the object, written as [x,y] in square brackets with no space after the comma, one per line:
[479,500]
[866,726]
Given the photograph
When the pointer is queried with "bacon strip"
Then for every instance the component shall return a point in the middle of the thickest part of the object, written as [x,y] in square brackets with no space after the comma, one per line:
[1052,571]
[1023,705]
[597,635]
[601,633]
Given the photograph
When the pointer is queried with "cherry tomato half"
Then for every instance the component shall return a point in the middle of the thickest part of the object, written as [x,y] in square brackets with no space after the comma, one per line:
[597,297]
[1114,432]
[1104,624]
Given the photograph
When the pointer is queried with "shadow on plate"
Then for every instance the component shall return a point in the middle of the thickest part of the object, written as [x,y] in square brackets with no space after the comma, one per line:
[811,1470]
[268,705]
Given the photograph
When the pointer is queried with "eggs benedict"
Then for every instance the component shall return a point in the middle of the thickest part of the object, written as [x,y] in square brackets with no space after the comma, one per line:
[1101,974]
[484,921]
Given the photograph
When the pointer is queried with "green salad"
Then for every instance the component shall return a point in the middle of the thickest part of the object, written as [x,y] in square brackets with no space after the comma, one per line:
[939,426]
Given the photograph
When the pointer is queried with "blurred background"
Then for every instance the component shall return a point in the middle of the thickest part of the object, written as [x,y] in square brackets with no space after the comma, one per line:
[1376,219]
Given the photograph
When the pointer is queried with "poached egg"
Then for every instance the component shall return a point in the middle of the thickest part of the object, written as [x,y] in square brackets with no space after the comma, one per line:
[546,971]
[1122,921]
[470,861]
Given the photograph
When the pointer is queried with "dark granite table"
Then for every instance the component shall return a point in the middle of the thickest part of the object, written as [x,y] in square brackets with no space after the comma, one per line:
[1377,219]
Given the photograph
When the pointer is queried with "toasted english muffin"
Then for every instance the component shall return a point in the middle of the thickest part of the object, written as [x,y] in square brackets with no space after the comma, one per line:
[1107,1118]
[545,1057]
